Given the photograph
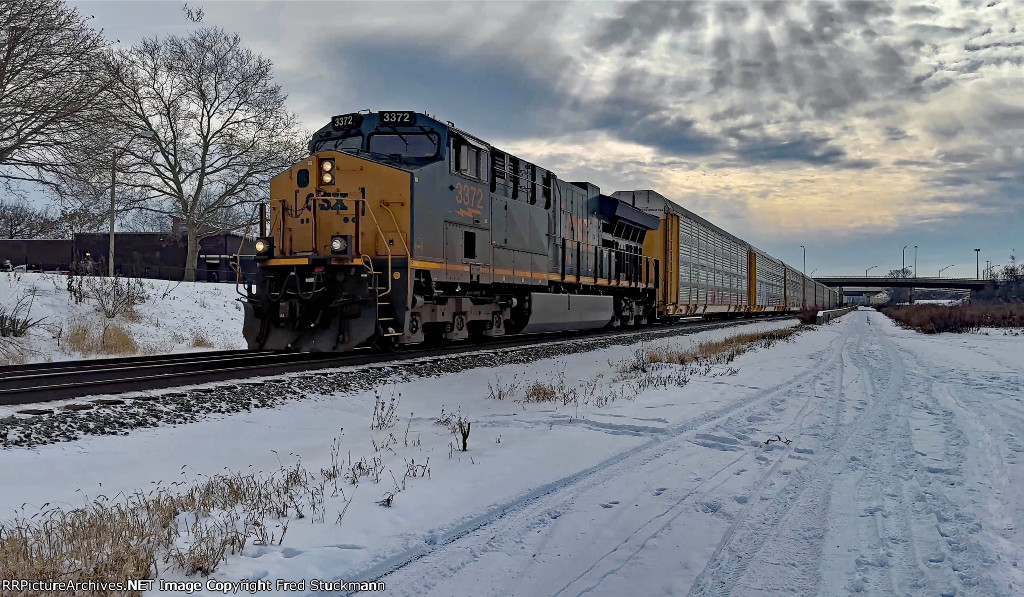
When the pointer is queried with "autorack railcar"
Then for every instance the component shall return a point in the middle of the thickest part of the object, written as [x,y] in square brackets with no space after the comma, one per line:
[399,229]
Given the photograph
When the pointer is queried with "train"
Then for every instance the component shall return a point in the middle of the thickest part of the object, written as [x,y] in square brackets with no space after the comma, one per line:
[400,229]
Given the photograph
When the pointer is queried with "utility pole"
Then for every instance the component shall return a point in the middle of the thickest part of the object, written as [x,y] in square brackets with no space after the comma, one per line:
[113,181]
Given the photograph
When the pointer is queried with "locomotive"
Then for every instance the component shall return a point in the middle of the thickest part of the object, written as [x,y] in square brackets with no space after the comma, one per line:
[400,229]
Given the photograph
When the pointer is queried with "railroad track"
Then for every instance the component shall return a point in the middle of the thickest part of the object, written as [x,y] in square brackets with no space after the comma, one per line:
[47,382]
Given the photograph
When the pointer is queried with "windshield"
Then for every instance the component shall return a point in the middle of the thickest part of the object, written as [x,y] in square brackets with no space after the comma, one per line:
[410,145]
[354,141]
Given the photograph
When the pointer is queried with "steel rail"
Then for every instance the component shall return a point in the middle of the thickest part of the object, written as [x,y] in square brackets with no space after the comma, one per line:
[48,382]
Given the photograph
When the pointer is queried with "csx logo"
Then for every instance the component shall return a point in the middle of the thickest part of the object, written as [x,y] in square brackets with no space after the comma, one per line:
[336,205]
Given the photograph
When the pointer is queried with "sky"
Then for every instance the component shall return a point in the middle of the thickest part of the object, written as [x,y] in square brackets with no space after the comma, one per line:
[852,128]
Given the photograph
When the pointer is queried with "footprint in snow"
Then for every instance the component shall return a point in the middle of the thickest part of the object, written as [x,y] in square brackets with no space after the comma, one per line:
[658,491]
[609,504]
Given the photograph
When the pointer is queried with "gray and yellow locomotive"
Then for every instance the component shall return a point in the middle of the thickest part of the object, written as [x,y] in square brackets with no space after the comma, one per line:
[400,229]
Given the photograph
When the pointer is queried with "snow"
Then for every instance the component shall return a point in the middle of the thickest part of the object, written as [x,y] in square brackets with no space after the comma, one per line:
[901,474]
[171,318]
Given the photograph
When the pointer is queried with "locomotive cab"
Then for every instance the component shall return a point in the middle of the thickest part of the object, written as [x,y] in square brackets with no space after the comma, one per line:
[333,265]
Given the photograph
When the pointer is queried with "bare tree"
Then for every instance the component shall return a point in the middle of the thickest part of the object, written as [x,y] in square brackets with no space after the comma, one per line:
[53,79]
[20,220]
[898,294]
[217,130]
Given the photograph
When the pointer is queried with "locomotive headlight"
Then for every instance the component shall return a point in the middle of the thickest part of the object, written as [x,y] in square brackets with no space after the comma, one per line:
[327,178]
[338,244]
[264,247]
[327,165]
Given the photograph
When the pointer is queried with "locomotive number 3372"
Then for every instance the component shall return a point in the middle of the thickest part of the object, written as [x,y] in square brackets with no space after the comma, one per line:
[469,196]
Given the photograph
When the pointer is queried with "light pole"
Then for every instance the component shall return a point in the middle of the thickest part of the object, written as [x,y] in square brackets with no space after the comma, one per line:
[146,134]
[942,269]
[977,263]
[812,272]
[903,272]
[915,275]
[868,270]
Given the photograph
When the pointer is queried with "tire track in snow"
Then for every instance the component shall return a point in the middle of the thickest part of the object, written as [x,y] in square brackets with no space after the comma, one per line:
[749,533]
[523,513]
[835,364]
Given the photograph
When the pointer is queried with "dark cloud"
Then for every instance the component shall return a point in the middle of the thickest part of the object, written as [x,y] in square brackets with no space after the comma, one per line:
[511,90]
[963,156]
[859,164]
[637,24]
[894,133]
[1004,117]
[807,148]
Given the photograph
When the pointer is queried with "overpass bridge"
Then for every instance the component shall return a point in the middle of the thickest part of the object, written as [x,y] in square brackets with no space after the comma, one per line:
[880,282]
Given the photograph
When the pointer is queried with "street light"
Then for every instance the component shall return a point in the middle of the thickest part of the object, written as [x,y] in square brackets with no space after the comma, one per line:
[868,270]
[942,269]
[812,272]
[915,261]
[903,272]
[145,134]
[977,263]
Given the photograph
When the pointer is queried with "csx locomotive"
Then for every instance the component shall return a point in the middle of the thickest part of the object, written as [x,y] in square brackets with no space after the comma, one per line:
[399,229]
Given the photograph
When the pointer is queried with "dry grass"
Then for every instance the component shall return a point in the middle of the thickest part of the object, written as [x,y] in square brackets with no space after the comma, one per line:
[191,531]
[719,352]
[131,315]
[501,391]
[933,319]
[12,355]
[200,340]
[555,390]
[116,339]
[87,338]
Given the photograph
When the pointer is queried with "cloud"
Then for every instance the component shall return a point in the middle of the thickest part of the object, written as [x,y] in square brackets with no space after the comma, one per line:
[763,115]
[807,148]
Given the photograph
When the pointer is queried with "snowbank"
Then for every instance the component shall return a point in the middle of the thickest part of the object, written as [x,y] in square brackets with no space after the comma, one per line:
[175,317]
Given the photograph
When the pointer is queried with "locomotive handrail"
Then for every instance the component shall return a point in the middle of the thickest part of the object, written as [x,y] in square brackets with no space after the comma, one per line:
[380,233]
[408,253]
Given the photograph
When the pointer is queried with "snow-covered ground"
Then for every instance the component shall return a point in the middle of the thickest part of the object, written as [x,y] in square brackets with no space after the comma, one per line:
[174,317]
[901,474]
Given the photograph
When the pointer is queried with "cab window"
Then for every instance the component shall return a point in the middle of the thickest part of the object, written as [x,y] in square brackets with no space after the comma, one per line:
[469,160]
[407,145]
